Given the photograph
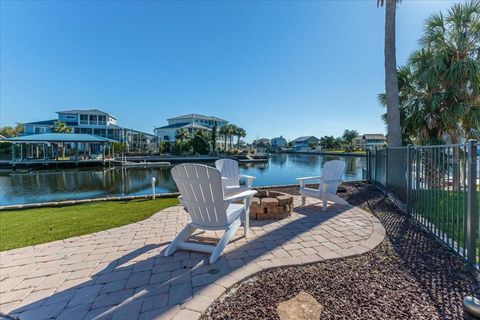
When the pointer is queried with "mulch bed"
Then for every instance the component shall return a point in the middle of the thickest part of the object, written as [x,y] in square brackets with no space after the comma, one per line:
[408,276]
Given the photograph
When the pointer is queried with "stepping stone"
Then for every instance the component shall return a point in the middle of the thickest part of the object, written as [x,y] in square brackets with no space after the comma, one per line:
[301,307]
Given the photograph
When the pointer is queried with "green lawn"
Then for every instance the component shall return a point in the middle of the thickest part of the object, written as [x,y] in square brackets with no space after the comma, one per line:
[444,210]
[34,226]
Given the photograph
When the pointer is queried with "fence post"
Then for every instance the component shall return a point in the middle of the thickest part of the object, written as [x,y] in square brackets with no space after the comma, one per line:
[386,170]
[472,202]
[409,179]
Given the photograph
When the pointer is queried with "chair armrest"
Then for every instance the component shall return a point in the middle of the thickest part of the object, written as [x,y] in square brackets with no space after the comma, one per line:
[303,179]
[309,178]
[180,199]
[249,179]
[241,196]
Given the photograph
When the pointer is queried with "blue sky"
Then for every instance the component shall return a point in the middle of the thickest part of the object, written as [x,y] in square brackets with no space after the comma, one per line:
[288,68]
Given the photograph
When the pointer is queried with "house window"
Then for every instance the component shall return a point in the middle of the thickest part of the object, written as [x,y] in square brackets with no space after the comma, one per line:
[93,119]
[166,138]
[99,132]
[70,116]
[38,130]
[83,119]
[102,120]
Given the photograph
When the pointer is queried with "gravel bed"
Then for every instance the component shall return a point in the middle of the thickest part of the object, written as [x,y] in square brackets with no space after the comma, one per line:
[408,276]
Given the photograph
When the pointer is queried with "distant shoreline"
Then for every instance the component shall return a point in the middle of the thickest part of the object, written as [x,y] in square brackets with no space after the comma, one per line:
[329,153]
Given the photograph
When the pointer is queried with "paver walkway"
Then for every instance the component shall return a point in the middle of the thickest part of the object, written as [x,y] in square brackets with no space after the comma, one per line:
[121,273]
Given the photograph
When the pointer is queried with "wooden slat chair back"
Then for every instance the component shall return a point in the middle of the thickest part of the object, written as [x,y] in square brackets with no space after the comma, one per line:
[231,176]
[329,182]
[202,194]
[229,170]
[333,170]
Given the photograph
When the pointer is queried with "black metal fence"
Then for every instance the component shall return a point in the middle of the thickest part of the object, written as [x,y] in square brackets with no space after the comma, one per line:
[438,186]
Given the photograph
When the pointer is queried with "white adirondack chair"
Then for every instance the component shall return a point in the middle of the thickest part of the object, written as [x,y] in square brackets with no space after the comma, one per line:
[203,196]
[231,176]
[328,184]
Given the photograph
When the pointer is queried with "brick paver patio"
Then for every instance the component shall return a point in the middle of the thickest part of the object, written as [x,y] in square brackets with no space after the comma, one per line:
[121,273]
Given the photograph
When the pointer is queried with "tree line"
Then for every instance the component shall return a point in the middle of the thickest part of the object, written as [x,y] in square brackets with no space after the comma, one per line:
[346,141]
[204,141]
[438,89]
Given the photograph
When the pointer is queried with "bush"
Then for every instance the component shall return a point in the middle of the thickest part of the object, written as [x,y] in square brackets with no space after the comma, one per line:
[181,148]
[200,145]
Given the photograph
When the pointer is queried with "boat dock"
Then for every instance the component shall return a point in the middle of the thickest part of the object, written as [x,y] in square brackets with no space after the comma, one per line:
[128,162]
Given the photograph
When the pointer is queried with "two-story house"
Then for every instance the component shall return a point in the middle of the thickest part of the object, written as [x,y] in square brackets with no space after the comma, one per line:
[189,122]
[278,142]
[92,121]
[95,122]
[304,143]
[370,140]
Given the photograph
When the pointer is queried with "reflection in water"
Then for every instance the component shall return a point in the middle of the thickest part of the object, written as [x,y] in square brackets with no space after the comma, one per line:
[57,185]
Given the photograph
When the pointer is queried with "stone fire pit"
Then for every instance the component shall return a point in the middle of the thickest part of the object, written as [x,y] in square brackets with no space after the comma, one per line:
[271,205]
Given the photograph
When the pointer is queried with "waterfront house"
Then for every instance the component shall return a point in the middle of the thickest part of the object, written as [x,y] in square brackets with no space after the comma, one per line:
[98,123]
[262,145]
[190,122]
[278,142]
[370,140]
[304,143]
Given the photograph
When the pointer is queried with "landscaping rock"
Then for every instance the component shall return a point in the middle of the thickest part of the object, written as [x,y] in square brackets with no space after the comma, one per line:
[410,275]
[301,307]
[283,200]
[269,202]
[262,193]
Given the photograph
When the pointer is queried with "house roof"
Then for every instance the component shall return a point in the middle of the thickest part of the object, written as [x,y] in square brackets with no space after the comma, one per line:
[305,138]
[185,125]
[52,122]
[263,141]
[196,116]
[113,126]
[1,137]
[374,136]
[59,137]
[88,111]
[149,135]
[279,138]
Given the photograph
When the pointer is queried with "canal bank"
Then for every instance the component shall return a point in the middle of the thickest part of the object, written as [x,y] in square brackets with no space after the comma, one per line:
[64,184]
[118,162]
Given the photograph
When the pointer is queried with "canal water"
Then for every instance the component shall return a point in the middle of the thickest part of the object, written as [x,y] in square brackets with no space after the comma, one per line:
[69,184]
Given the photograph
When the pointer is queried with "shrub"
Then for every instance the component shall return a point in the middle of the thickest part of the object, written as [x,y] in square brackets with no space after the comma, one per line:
[200,145]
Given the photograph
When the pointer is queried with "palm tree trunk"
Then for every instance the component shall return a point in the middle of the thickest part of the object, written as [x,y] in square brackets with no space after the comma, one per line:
[391,80]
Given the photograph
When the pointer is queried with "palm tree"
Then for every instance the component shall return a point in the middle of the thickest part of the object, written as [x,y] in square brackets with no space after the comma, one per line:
[213,137]
[440,86]
[223,132]
[240,133]
[229,131]
[61,127]
[391,81]
[181,135]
